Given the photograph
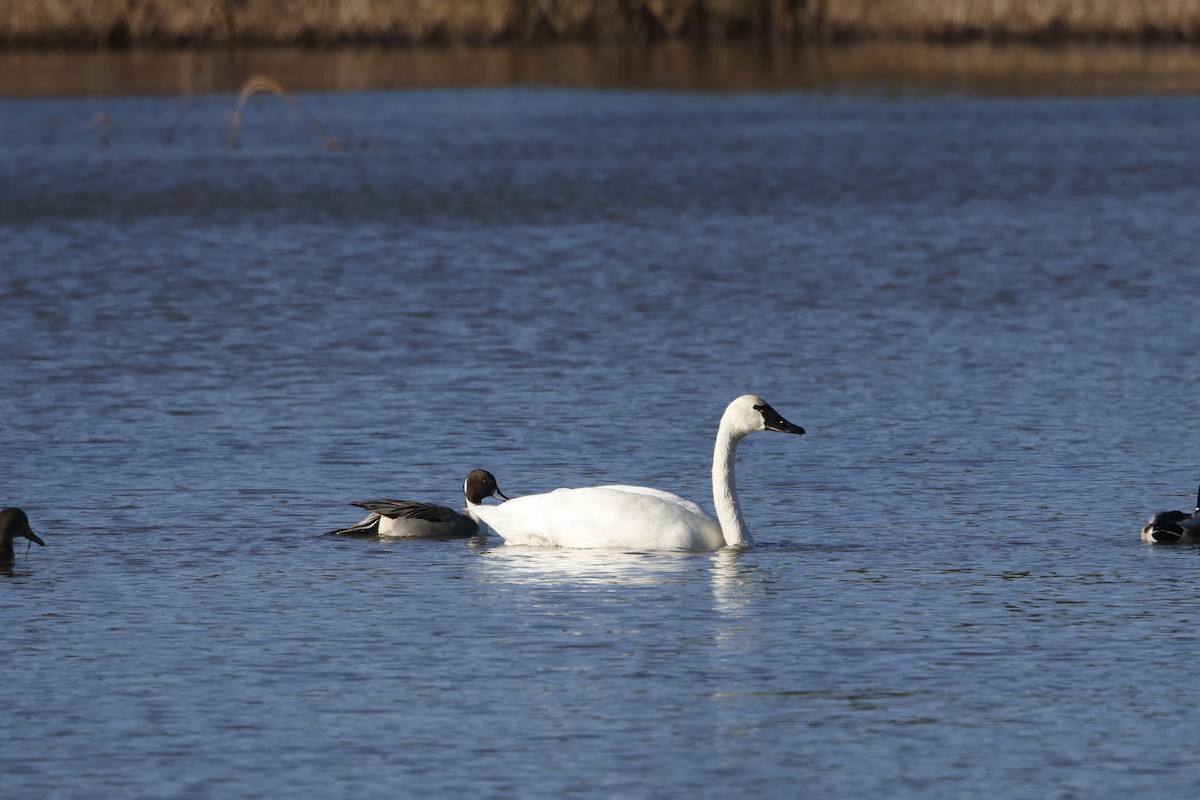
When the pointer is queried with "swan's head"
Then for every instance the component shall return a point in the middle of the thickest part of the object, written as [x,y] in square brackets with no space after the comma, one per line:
[480,484]
[14,523]
[750,414]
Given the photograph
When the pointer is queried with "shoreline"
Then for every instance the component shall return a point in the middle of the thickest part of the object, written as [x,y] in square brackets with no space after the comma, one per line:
[169,24]
[1015,69]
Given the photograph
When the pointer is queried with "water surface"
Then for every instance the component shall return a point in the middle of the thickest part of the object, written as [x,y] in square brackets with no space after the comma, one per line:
[977,308]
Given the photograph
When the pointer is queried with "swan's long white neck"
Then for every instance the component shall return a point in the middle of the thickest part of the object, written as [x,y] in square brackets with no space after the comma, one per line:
[725,499]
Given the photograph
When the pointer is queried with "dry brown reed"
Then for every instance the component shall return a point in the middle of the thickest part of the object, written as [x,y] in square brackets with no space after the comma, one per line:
[259,84]
[221,22]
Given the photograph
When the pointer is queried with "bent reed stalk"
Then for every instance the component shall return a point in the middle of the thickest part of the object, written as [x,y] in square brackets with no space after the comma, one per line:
[263,84]
[330,22]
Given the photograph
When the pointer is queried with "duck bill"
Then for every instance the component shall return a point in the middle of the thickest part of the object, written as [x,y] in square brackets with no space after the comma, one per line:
[33,537]
[499,495]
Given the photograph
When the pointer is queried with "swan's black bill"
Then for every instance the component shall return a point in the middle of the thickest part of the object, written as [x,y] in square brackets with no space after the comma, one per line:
[773,422]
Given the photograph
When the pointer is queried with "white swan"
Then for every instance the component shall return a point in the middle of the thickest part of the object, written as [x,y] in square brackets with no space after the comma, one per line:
[635,517]
[407,519]
[1173,527]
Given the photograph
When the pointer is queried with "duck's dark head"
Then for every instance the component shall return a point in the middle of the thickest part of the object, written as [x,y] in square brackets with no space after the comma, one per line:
[480,484]
[14,523]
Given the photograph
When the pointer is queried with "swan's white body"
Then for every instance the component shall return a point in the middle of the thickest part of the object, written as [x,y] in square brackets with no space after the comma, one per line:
[637,517]
[631,517]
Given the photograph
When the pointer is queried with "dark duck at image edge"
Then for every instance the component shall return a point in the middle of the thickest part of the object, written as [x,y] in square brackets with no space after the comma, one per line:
[14,523]
[1173,527]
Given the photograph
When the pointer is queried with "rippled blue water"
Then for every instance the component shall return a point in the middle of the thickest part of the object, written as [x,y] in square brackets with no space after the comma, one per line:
[979,309]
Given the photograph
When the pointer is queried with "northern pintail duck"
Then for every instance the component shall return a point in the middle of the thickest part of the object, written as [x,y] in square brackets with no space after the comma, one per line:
[407,519]
[1173,527]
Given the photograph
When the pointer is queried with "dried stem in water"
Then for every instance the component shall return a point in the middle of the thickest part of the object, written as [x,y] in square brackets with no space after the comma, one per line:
[263,83]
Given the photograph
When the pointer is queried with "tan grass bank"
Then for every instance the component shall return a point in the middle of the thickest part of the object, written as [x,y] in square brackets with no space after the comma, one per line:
[278,22]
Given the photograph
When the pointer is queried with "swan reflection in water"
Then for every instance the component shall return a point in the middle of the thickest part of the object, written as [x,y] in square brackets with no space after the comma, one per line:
[541,565]
[732,587]
[732,581]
